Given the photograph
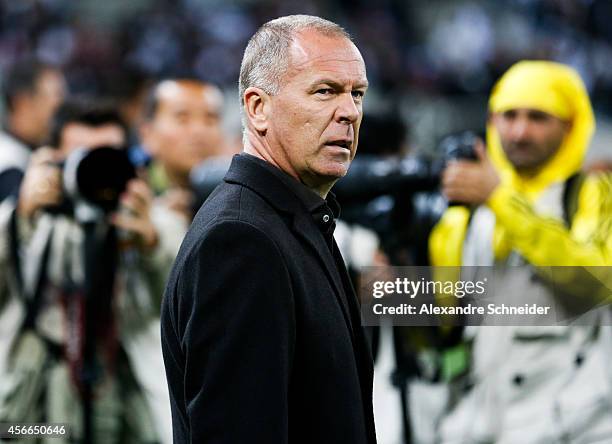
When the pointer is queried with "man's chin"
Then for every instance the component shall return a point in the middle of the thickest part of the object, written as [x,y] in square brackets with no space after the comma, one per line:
[527,168]
[324,177]
[520,161]
[334,171]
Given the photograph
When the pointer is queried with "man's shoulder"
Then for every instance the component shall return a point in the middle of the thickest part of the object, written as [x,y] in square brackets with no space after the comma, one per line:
[235,202]
[223,250]
[224,243]
[13,154]
[594,195]
[598,183]
[233,211]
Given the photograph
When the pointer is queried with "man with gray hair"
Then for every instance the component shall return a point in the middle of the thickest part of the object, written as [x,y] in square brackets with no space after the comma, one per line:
[261,329]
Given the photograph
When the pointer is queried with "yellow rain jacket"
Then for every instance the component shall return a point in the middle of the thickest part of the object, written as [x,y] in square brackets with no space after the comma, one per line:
[558,90]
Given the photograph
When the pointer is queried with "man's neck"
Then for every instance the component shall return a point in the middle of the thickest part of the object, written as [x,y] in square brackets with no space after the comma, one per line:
[177,180]
[529,173]
[262,150]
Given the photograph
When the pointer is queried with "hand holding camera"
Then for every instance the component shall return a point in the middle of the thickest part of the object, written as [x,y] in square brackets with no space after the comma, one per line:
[470,181]
[134,214]
[102,177]
[42,183]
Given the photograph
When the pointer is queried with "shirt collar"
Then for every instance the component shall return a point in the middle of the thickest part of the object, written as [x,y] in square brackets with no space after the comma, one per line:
[18,139]
[323,211]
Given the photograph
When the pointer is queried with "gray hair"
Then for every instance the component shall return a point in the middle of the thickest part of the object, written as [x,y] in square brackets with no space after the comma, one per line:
[266,57]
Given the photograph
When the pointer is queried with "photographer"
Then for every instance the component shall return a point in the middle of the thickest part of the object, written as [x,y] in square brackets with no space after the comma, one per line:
[181,128]
[32,91]
[527,206]
[90,268]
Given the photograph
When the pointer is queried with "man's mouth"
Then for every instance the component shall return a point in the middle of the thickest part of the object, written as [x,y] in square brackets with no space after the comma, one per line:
[341,143]
[521,146]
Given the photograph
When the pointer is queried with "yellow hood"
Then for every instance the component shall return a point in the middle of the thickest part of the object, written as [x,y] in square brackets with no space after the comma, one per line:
[557,90]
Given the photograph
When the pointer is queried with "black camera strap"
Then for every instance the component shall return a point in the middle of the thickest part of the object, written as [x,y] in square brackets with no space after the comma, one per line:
[571,191]
[101,261]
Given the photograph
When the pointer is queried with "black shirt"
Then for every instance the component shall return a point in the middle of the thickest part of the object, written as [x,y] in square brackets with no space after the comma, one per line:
[324,213]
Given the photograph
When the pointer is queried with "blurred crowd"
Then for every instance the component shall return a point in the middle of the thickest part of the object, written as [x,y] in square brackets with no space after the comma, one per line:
[91,223]
[442,56]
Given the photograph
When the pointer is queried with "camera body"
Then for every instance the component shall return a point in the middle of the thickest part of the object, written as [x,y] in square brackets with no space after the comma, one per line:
[459,147]
[399,198]
[95,178]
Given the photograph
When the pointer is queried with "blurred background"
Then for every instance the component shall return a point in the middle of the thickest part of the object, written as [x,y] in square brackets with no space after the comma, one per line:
[434,62]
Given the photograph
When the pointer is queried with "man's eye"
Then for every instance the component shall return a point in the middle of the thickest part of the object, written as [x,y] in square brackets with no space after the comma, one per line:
[509,115]
[325,91]
[538,117]
[358,94]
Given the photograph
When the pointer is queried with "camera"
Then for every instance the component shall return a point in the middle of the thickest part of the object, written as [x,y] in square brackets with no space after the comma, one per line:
[395,197]
[94,178]
[459,146]
[399,197]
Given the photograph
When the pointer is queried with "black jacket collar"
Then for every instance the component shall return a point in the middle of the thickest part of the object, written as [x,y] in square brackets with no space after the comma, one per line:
[245,170]
[277,187]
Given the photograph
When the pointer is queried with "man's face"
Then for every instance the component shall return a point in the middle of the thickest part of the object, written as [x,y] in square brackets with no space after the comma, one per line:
[314,119]
[48,95]
[186,128]
[77,135]
[529,137]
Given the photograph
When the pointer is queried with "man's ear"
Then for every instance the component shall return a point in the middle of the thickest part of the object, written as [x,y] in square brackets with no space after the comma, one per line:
[490,117]
[567,126]
[23,102]
[257,108]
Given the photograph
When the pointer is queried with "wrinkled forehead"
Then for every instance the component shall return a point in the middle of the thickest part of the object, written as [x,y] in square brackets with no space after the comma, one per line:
[311,49]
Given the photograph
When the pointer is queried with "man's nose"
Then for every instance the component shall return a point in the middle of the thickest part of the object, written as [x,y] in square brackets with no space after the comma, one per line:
[198,129]
[520,129]
[347,110]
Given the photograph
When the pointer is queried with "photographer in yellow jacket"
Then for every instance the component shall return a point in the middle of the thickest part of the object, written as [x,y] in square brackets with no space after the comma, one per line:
[527,206]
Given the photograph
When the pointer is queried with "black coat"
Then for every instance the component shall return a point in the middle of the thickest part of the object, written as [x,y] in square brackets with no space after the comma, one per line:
[261,337]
